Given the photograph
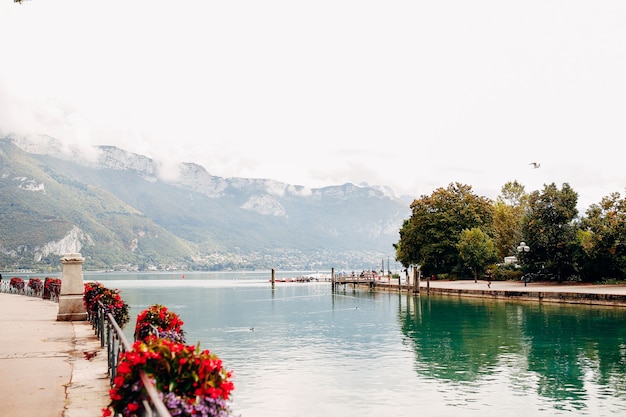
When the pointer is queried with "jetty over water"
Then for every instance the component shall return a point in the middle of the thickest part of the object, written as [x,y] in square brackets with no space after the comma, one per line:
[344,280]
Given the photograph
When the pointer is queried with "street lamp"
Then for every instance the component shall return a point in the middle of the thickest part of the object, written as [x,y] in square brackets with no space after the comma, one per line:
[523,247]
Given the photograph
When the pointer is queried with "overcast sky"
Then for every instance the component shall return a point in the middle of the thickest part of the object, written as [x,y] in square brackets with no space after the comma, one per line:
[410,94]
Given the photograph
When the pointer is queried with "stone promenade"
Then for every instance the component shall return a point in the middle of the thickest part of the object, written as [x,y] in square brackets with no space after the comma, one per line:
[48,368]
[567,292]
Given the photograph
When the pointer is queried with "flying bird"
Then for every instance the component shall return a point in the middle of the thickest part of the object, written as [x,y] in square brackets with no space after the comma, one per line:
[535,165]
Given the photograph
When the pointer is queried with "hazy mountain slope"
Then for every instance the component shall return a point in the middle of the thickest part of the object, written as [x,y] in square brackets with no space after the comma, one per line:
[45,212]
[118,210]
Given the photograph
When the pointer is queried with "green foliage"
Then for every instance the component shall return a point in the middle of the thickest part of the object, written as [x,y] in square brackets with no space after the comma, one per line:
[549,229]
[601,240]
[476,250]
[562,246]
[506,272]
[430,237]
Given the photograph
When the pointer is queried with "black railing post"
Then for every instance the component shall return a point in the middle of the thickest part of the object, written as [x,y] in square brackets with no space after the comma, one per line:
[117,343]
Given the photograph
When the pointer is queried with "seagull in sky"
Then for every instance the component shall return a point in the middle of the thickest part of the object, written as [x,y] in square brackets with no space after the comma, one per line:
[535,165]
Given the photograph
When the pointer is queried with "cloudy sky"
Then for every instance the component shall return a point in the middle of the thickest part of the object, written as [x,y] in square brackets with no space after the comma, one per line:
[410,94]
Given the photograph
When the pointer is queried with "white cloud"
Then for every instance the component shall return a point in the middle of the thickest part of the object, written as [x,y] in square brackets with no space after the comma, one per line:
[409,94]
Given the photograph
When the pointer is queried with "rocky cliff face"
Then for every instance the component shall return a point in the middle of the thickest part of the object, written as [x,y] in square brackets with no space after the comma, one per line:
[71,243]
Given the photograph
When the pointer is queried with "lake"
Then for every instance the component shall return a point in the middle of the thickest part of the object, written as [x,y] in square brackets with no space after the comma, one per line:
[301,349]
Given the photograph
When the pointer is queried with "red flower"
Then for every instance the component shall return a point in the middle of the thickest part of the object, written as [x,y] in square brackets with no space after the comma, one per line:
[115,396]
[177,369]
[118,380]
[133,407]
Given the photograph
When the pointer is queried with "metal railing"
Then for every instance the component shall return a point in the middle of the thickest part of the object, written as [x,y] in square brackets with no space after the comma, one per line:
[111,335]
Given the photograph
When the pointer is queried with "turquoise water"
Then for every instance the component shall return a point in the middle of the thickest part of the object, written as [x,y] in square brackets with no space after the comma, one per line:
[301,350]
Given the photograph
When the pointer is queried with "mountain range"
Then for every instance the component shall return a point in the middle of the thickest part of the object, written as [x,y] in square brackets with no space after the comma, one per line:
[124,211]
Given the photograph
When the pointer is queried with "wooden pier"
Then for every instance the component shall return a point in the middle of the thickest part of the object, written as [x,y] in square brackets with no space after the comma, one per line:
[372,283]
[366,279]
[372,280]
[343,281]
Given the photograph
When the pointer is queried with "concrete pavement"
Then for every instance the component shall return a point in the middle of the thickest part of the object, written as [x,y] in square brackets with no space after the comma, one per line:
[48,368]
[566,292]
[567,287]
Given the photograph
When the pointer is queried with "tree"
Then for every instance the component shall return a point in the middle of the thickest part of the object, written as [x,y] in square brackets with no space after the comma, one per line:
[549,229]
[562,245]
[602,238]
[509,210]
[429,238]
[476,250]
[513,194]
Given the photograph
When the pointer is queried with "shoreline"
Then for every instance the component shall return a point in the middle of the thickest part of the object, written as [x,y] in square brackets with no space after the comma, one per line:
[565,293]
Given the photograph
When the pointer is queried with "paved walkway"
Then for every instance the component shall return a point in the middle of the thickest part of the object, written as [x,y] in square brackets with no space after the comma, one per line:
[48,368]
[567,292]
[566,287]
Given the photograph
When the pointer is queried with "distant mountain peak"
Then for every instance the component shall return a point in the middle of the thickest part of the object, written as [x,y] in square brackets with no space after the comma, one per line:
[265,204]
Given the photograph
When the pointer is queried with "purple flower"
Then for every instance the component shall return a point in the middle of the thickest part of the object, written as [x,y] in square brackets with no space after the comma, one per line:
[202,406]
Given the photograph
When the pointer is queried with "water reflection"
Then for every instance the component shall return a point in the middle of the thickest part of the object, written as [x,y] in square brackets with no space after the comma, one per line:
[565,353]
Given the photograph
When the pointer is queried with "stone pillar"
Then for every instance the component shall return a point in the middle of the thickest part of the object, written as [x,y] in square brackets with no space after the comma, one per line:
[71,306]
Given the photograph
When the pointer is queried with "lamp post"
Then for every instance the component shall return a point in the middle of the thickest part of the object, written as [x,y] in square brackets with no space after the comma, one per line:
[523,248]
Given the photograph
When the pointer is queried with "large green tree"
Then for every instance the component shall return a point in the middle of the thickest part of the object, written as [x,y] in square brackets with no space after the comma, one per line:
[602,238]
[430,237]
[550,231]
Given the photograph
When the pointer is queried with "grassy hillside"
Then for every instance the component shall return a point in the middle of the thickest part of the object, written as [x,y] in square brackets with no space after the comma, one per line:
[41,203]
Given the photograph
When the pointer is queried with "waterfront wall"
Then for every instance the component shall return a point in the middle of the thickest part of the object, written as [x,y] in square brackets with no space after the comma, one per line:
[616,299]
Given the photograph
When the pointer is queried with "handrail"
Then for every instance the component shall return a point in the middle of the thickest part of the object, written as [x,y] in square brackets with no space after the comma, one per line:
[117,343]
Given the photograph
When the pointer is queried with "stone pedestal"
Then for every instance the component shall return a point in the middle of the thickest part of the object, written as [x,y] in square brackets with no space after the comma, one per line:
[71,306]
